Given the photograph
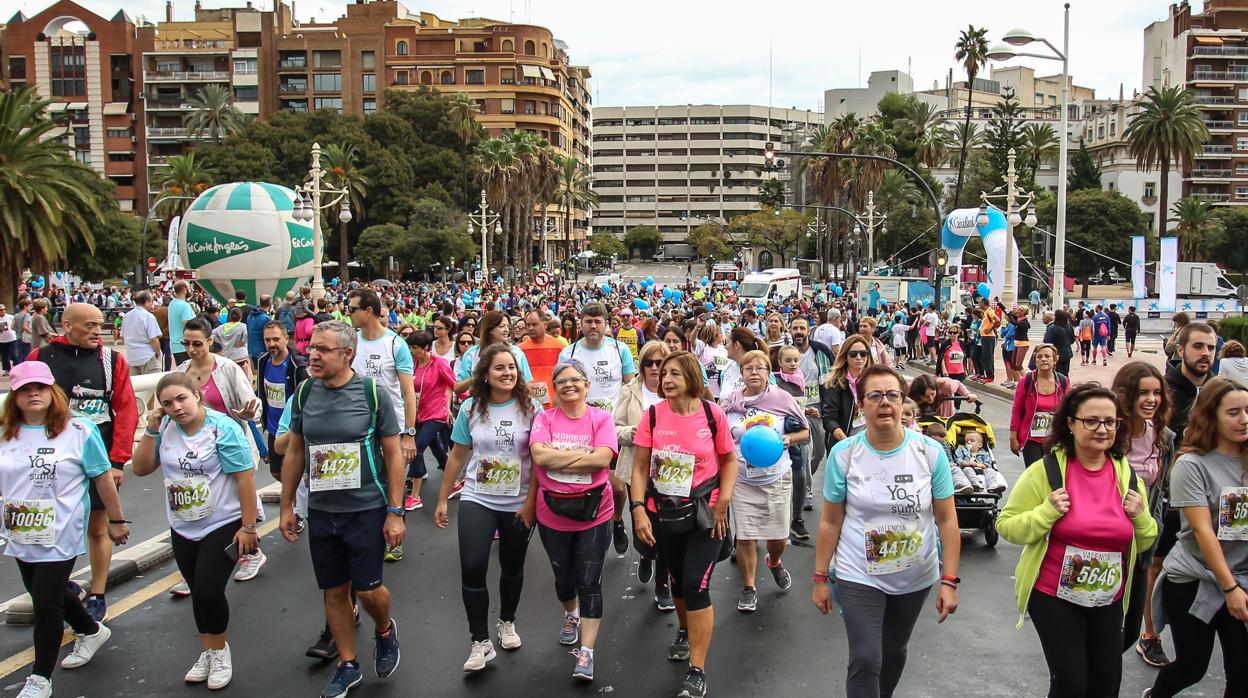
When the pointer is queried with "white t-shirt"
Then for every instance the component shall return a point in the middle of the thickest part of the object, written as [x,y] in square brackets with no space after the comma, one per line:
[899,334]
[648,398]
[384,359]
[468,363]
[810,373]
[607,366]
[754,418]
[498,471]
[932,320]
[7,333]
[138,328]
[44,482]
[829,335]
[200,493]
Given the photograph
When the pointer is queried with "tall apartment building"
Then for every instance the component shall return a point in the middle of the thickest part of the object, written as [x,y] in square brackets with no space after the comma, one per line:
[228,47]
[521,77]
[90,78]
[1101,127]
[1208,53]
[676,167]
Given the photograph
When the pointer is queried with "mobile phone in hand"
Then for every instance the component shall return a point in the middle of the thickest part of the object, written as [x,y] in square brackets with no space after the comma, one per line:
[231,550]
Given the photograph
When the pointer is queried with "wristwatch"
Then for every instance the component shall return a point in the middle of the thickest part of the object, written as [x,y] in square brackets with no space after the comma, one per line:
[397,511]
[634,504]
[410,431]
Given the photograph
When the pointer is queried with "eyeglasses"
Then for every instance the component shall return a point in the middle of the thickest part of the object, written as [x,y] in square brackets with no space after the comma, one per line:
[465,342]
[353,308]
[647,363]
[1093,424]
[858,354]
[569,381]
[318,349]
[195,344]
[876,396]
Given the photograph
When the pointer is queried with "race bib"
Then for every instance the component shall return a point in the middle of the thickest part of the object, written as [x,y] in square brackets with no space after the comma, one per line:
[30,521]
[1042,424]
[1089,578]
[860,421]
[892,547]
[603,404]
[275,395]
[956,356]
[1233,513]
[721,362]
[566,477]
[812,394]
[499,476]
[190,498]
[93,409]
[539,391]
[672,473]
[334,467]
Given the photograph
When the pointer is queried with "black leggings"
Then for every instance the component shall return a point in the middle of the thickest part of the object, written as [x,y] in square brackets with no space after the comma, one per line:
[576,557]
[476,536]
[1193,644]
[690,559]
[1032,450]
[54,604]
[432,434]
[1082,646]
[207,569]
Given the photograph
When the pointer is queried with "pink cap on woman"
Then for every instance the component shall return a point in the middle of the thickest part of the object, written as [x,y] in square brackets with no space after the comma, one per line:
[31,372]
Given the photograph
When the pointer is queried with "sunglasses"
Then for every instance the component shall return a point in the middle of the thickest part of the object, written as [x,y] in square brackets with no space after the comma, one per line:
[858,354]
[465,343]
[195,344]
[647,363]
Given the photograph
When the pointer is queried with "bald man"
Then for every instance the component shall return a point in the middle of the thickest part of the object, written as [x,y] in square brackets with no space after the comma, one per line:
[97,380]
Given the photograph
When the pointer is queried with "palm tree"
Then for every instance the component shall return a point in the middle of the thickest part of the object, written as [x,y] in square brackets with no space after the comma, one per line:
[972,50]
[965,137]
[463,111]
[524,191]
[1166,128]
[1196,222]
[924,125]
[1039,147]
[44,209]
[770,194]
[575,191]
[499,168]
[895,189]
[215,113]
[339,162]
[186,175]
[545,189]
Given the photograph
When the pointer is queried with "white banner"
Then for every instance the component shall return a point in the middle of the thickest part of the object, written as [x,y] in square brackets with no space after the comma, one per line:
[1167,268]
[171,254]
[1138,281]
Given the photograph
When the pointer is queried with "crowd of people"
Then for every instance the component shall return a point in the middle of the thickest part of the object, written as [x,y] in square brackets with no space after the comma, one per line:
[676,422]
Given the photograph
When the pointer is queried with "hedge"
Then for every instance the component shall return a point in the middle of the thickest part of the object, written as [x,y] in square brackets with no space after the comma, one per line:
[1234,328]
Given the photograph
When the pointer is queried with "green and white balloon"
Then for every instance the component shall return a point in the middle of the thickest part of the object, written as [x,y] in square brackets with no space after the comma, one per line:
[243,236]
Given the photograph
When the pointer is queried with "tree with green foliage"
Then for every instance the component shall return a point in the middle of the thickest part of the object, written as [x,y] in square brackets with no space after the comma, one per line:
[1196,224]
[45,212]
[433,233]
[1039,148]
[607,245]
[1167,127]
[118,236]
[771,194]
[645,238]
[1084,173]
[1225,242]
[1099,226]
[971,50]
[214,113]
[710,240]
[339,162]
[1005,132]
[783,235]
[575,191]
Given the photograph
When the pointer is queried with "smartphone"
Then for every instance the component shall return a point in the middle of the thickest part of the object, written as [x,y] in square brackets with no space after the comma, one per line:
[231,550]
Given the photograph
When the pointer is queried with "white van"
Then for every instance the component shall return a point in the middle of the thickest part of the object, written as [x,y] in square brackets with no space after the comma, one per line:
[770,284]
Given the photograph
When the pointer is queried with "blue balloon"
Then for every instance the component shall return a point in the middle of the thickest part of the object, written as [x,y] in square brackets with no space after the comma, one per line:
[838,291]
[984,289]
[650,280]
[710,306]
[606,288]
[762,446]
[732,285]
[760,310]
[927,303]
[641,305]
[667,293]
[680,295]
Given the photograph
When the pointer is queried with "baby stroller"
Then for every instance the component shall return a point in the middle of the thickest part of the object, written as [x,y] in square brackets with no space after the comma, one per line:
[978,509]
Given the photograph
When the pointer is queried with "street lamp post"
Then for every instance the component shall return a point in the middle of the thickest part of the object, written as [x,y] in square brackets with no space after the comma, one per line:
[872,224]
[483,219]
[308,207]
[1016,202]
[1022,37]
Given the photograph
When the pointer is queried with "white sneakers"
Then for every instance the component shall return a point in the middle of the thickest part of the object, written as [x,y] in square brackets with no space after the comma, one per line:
[180,589]
[36,687]
[508,638]
[481,653]
[85,647]
[249,566]
[214,666]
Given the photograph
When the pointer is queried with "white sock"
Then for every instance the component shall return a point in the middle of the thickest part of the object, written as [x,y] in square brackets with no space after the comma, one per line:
[576,613]
[586,649]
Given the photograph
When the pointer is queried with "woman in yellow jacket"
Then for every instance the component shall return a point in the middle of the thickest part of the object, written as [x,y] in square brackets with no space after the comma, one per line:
[1082,517]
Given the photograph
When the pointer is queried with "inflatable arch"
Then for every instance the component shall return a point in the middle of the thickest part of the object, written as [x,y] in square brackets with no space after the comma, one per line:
[960,225]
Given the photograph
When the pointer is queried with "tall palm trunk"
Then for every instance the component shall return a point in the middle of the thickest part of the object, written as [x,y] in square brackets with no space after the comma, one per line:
[970,94]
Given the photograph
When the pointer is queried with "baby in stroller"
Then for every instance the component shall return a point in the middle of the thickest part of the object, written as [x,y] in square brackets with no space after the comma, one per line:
[975,463]
[935,430]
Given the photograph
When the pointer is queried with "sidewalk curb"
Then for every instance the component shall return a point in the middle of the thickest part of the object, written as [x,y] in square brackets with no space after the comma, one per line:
[973,386]
[126,565]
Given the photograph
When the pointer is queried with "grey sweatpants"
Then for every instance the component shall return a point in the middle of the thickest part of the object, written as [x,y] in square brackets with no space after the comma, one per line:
[878,626]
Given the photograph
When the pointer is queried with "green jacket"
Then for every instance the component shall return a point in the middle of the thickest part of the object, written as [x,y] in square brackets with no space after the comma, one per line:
[1028,517]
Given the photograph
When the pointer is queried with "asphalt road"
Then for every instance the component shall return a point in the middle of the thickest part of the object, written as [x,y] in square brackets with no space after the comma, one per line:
[785,644]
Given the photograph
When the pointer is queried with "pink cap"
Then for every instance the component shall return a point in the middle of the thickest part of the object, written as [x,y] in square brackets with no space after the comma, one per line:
[31,372]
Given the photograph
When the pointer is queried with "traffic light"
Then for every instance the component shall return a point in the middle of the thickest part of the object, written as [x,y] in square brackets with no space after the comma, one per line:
[942,258]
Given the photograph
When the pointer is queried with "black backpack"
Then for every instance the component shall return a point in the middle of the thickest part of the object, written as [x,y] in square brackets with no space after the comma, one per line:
[1054,473]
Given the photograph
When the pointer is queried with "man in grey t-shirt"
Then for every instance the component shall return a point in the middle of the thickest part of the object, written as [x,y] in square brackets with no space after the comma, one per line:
[346,430]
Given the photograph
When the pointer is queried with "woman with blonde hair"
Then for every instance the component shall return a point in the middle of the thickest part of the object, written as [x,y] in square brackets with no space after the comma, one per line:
[853,358]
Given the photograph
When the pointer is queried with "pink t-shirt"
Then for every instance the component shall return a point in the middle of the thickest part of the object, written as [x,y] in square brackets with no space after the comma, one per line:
[432,383]
[212,396]
[1096,521]
[1143,455]
[589,431]
[1044,403]
[953,359]
[688,434]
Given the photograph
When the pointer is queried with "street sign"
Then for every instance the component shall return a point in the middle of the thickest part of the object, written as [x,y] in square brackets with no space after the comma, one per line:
[187,274]
[542,279]
[151,264]
[477,276]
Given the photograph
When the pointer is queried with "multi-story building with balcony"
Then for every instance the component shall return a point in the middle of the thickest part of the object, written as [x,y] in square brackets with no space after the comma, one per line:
[677,167]
[1208,54]
[84,64]
[1101,127]
[231,48]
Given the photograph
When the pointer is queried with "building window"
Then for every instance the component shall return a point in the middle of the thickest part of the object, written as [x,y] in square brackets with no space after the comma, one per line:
[368,82]
[426,78]
[327,59]
[1243,94]
[1241,143]
[370,106]
[327,82]
[400,48]
[1243,118]
[297,105]
[448,78]
[474,77]
[545,50]
[508,76]
[530,48]
[244,66]
[368,60]
[508,106]
[119,133]
[17,68]
[69,67]
[1150,190]
[508,45]
[121,157]
[290,59]
[334,103]
[1241,192]
[247,94]
[1100,131]
[1113,128]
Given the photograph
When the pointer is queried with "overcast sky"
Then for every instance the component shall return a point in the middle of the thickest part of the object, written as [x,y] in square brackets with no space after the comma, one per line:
[695,51]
